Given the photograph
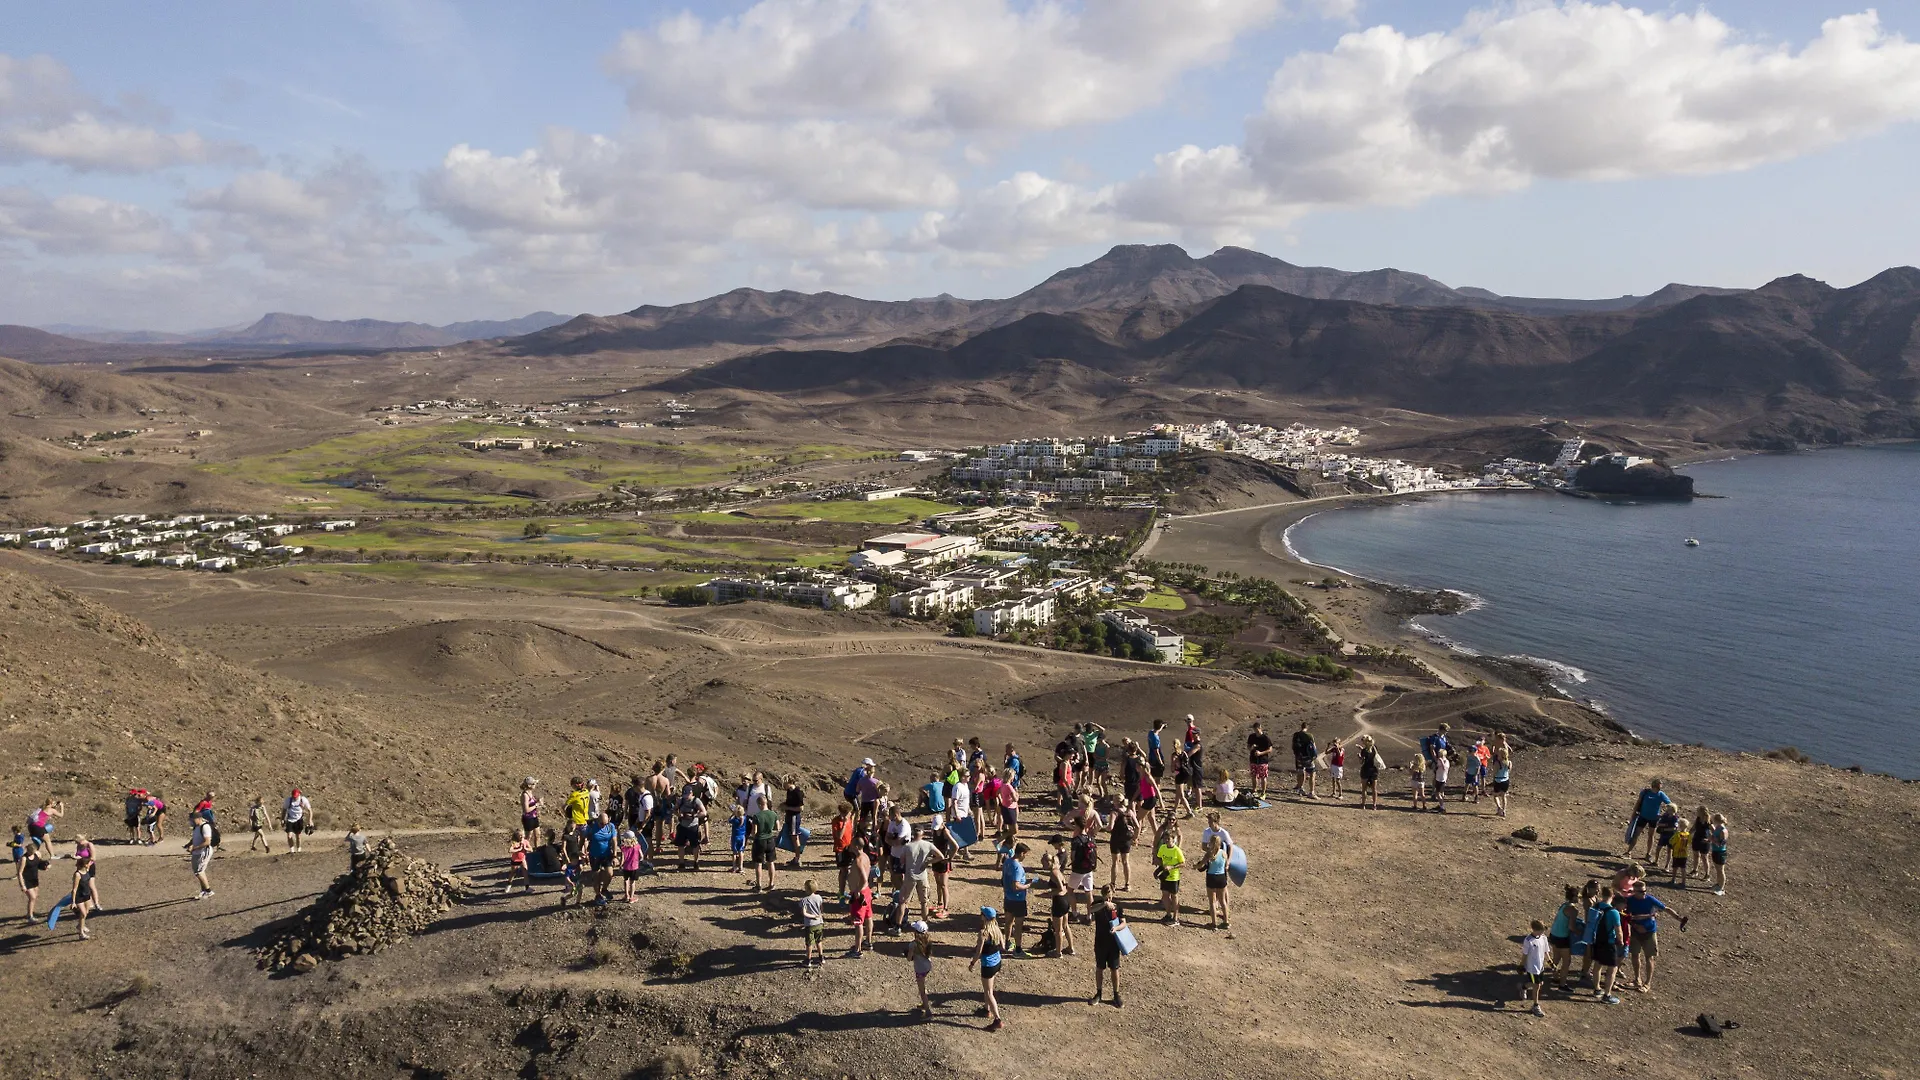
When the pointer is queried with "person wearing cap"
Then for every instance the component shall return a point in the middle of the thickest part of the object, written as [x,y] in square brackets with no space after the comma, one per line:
[530,807]
[987,952]
[921,953]
[296,816]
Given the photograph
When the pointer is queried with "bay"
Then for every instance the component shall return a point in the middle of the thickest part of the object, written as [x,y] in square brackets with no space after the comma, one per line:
[1796,622]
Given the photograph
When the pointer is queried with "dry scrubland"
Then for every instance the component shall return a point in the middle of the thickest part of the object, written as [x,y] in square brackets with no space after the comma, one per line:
[1364,944]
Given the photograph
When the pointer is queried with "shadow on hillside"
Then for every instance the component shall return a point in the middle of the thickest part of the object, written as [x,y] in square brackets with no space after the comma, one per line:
[1481,988]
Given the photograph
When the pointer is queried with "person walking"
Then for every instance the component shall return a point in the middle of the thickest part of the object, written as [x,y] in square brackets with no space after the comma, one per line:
[1502,782]
[257,820]
[1609,943]
[40,825]
[987,952]
[1014,889]
[32,865]
[1156,752]
[1107,922]
[200,852]
[920,952]
[1533,964]
[295,816]
[813,919]
[1060,900]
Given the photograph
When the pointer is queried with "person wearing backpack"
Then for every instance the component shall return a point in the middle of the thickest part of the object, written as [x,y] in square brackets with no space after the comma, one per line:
[1437,751]
[205,839]
[1371,766]
[1609,942]
[1304,751]
[296,817]
[257,821]
[1083,860]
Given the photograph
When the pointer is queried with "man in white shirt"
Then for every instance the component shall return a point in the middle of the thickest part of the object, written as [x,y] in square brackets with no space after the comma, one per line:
[1214,829]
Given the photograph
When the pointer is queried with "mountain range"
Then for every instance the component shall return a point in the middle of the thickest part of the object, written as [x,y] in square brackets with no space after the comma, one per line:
[280,330]
[1794,361]
[1160,276]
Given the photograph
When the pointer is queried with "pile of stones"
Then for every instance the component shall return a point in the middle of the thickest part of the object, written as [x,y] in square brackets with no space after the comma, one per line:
[387,897]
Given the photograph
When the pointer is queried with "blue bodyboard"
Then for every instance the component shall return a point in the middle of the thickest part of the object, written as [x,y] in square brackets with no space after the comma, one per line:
[965,832]
[786,841]
[1237,865]
[59,909]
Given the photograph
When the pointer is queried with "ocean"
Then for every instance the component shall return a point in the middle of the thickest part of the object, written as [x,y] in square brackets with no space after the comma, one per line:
[1796,622]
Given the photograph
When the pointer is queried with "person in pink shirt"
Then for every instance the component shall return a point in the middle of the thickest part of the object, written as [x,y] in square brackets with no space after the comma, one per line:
[986,790]
[1009,799]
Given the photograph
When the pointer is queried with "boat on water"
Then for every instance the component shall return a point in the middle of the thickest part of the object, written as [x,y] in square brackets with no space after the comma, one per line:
[1691,542]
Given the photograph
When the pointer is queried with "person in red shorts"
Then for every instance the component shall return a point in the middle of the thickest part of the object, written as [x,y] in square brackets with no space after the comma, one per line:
[1259,759]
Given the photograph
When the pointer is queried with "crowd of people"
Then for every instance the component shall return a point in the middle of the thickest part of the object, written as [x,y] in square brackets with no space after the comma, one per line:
[901,845]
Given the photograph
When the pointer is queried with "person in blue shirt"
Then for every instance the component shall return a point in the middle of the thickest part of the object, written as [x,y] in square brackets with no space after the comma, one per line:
[1013,887]
[935,794]
[1156,759]
[1646,815]
[1014,765]
[1643,909]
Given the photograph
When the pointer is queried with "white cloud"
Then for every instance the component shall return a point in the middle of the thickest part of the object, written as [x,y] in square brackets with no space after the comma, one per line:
[78,225]
[1578,91]
[979,65]
[45,116]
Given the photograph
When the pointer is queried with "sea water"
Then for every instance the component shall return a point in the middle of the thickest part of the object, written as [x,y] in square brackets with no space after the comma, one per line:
[1796,622]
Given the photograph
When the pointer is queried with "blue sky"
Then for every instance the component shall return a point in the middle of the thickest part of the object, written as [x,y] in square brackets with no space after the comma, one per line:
[187,166]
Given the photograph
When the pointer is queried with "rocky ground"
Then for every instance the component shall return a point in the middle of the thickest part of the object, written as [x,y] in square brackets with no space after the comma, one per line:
[1364,944]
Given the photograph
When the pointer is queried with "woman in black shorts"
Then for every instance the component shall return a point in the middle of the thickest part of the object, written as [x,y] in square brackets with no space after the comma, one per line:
[1120,836]
[1369,774]
[795,805]
[944,849]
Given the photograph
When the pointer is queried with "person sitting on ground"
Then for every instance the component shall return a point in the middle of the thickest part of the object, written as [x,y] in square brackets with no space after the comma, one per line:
[1224,791]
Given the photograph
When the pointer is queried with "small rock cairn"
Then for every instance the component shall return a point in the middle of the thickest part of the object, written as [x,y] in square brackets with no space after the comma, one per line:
[384,899]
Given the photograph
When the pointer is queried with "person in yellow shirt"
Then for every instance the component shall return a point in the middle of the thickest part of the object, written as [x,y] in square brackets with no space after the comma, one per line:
[577,805]
[1168,859]
[1680,846]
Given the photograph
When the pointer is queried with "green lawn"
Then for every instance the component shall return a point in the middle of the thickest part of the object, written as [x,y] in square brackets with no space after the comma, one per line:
[574,581]
[603,539]
[1161,599]
[425,465]
[882,512]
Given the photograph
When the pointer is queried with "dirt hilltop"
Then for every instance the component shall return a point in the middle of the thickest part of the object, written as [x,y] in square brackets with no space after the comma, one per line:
[1364,944]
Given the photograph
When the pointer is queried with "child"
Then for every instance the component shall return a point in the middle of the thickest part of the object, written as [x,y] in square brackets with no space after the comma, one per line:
[921,953]
[737,833]
[1664,827]
[257,821]
[630,853]
[516,860]
[1533,963]
[19,851]
[1337,767]
[815,921]
[1717,834]
[1679,845]
[1417,773]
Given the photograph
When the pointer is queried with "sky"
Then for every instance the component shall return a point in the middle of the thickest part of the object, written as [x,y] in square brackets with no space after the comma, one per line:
[176,167]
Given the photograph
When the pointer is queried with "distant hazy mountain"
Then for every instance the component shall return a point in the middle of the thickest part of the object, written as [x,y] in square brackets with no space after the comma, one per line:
[1129,277]
[300,331]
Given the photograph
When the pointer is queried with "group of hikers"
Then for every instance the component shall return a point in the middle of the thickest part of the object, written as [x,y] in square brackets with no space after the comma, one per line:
[1603,923]
[905,842]
[146,823]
